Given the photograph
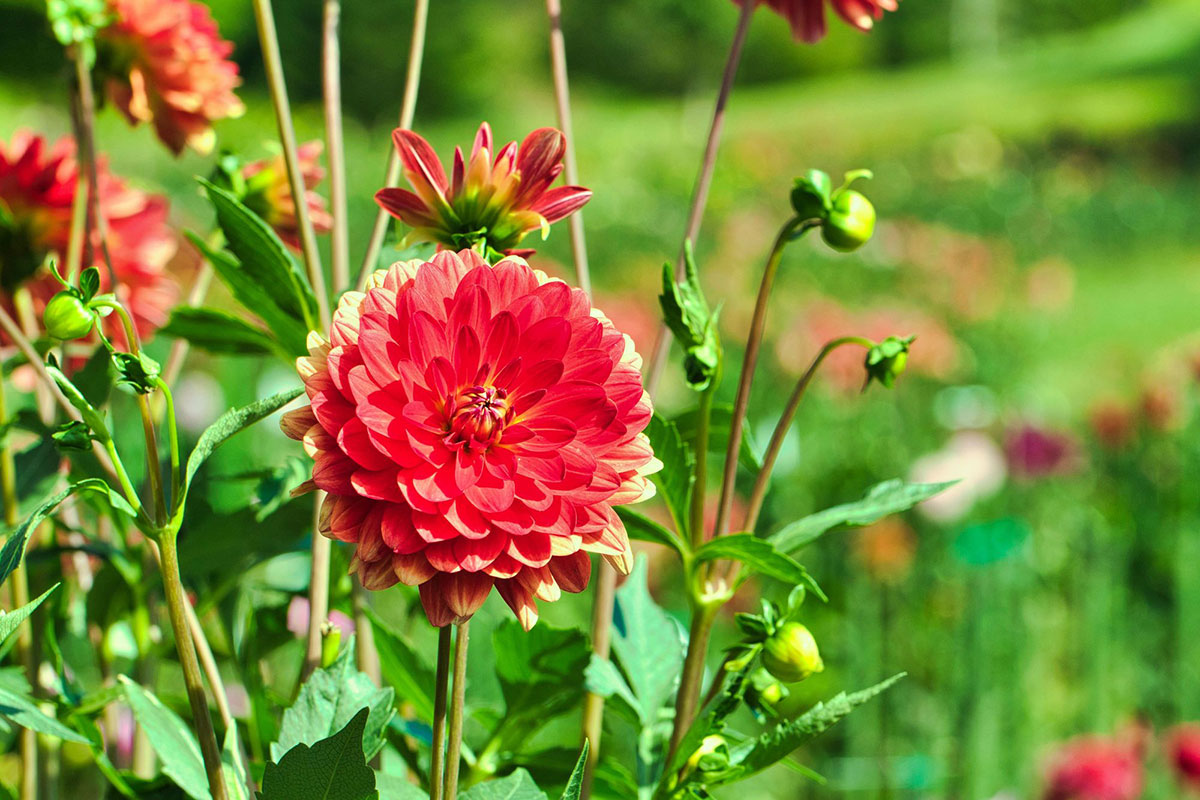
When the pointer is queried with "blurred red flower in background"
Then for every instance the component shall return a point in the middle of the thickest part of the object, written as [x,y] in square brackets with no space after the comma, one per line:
[1034,452]
[807,17]
[1183,753]
[269,194]
[1096,768]
[164,62]
[474,427]
[37,188]
[485,201]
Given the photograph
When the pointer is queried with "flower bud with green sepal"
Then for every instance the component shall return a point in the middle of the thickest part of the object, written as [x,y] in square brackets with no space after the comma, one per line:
[851,218]
[791,654]
[886,360]
[67,316]
[686,313]
[763,693]
[811,195]
[711,756]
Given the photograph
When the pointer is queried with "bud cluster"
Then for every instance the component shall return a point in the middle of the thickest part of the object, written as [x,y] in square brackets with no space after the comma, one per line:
[846,217]
[788,649]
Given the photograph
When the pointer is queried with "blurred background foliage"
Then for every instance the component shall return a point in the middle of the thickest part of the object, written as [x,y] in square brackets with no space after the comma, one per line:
[1037,169]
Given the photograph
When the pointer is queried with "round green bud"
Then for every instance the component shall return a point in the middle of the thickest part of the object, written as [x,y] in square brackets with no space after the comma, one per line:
[850,223]
[67,317]
[791,654]
[712,754]
[772,693]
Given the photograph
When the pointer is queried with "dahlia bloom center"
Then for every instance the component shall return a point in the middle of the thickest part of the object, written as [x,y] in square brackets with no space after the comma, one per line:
[476,416]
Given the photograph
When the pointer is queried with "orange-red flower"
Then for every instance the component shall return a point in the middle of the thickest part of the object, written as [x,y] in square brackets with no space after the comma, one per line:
[1096,768]
[269,194]
[474,427]
[164,62]
[37,188]
[807,17]
[1183,753]
[485,202]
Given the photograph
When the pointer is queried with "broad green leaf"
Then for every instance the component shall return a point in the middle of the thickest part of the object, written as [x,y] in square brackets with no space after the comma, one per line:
[642,528]
[718,435]
[95,737]
[540,673]
[518,786]
[889,497]
[23,711]
[219,332]
[575,784]
[777,743]
[328,700]
[760,556]
[264,256]
[331,769]
[674,480]
[393,787]
[171,739]
[9,620]
[233,768]
[603,678]
[291,331]
[403,669]
[647,644]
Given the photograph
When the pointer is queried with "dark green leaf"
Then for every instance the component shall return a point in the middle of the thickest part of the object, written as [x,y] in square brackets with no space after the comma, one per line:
[24,712]
[759,555]
[171,739]
[644,529]
[518,786]
[718,435]
[883,499]
[403,669]
[674,480]
[89,283]
[219,332]
[332,769]
[541,675]
[9,620]
[575,784]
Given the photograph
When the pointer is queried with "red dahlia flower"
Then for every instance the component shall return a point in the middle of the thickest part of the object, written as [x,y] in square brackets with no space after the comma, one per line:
[1183,751]
[485,202]
[269,194]
[807,17]
[1096,768]
[164,62]
[37,187]
[474,427]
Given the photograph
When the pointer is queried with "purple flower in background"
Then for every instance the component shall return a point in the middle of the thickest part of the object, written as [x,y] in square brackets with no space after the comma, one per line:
[1034,452]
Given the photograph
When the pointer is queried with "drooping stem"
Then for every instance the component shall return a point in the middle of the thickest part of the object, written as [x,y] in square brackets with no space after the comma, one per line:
[457,698]
[562,100]
[749,361]
[703,180]
[273,63]
[201,721]
[331,74]
[593,704]
[408,107]
[437,764]
[693,672]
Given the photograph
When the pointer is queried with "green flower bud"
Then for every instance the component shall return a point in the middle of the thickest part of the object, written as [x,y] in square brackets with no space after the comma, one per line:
[711,755]
[810,195]
[850,223]
[791,654]
[886,360]
[67,317]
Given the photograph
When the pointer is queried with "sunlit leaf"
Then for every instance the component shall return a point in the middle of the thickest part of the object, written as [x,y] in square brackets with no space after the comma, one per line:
[171,739]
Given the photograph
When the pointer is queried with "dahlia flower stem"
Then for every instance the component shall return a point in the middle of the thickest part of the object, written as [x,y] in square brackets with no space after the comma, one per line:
[696,522]
[593,704]
[703,180]
[437,763]
[87,158]
[331,75]
[562,99]
[457,698]
[201,721]
[749,361]
[28,745]
[318,589]
[690,681]
[408,107]
[273,63]
[172,441]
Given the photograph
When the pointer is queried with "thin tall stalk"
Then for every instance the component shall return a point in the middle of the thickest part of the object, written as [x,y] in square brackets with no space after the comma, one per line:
[437,764]
[562,101]
[693,674]
[331,75]
[593,704]
[658,361]
[457,699]
[408,107]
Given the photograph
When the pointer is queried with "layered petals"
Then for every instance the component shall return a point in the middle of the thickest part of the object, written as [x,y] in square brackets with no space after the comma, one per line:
[269,194]
[807,17]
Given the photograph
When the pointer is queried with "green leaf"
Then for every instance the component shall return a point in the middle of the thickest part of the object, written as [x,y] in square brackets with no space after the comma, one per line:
[233,768]
[575,784]
[291,331]
[674,480]
[9,620]
[518,786]
[393,787]
[883,499]
[264,256]
[171,739]
[220,332]
[642,528]
[779,742]
[686,313]
[331,769]
[719,422]
[329,699]
[93,418]
[540,673]
[136,372]
[760,555]
[24,712]
[647,644]
[403,669]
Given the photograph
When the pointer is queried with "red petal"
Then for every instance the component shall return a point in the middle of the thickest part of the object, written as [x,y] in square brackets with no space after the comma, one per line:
[406,206]
[572,572]
[562,201]
[417,156]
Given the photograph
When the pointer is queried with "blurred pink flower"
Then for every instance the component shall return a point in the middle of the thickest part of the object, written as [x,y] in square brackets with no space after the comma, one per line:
[974,460]
[807,17]
[1183,753]
[1034,452]
[298,615]
[269,194]
[1096,768]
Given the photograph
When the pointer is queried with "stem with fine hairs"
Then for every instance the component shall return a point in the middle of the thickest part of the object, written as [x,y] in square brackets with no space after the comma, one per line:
[703,181]
[437,764]
[562,101]
[408,107]
[457,699]
[331,75]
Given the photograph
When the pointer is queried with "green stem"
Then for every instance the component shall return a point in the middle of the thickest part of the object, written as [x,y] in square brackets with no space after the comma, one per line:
[437,764]
[693,672]
[696,523]
[173,586]
[172,442]
[457,700]
[335,150]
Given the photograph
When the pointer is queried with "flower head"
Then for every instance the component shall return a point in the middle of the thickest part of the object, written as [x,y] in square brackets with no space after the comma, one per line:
[1183,752]
[473,427]
[164,62]
[37,188]
[807,17]
[487,201]
[1096,768]
[268,193]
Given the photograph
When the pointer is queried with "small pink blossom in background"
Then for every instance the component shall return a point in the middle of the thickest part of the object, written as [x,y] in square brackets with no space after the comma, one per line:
[974,460]
[1035,452]
[474,426]
[269,194]
[1096,768]
[807,17]
[164,62]
[298,615]
[1183,754]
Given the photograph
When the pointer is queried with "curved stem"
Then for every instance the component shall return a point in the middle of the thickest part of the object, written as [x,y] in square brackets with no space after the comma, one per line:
[562,100]
[408,107]
[703,181]
[457,699]
[335,150]
[750,360]
[437,764]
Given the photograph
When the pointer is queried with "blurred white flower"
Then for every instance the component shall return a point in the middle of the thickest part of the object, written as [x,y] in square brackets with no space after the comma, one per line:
[973,459]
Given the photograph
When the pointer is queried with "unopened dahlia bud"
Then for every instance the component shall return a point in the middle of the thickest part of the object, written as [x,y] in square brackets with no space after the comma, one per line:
[850,223]
[711,755]
[791,654]
[68,317]
[887,360]
[810,195]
